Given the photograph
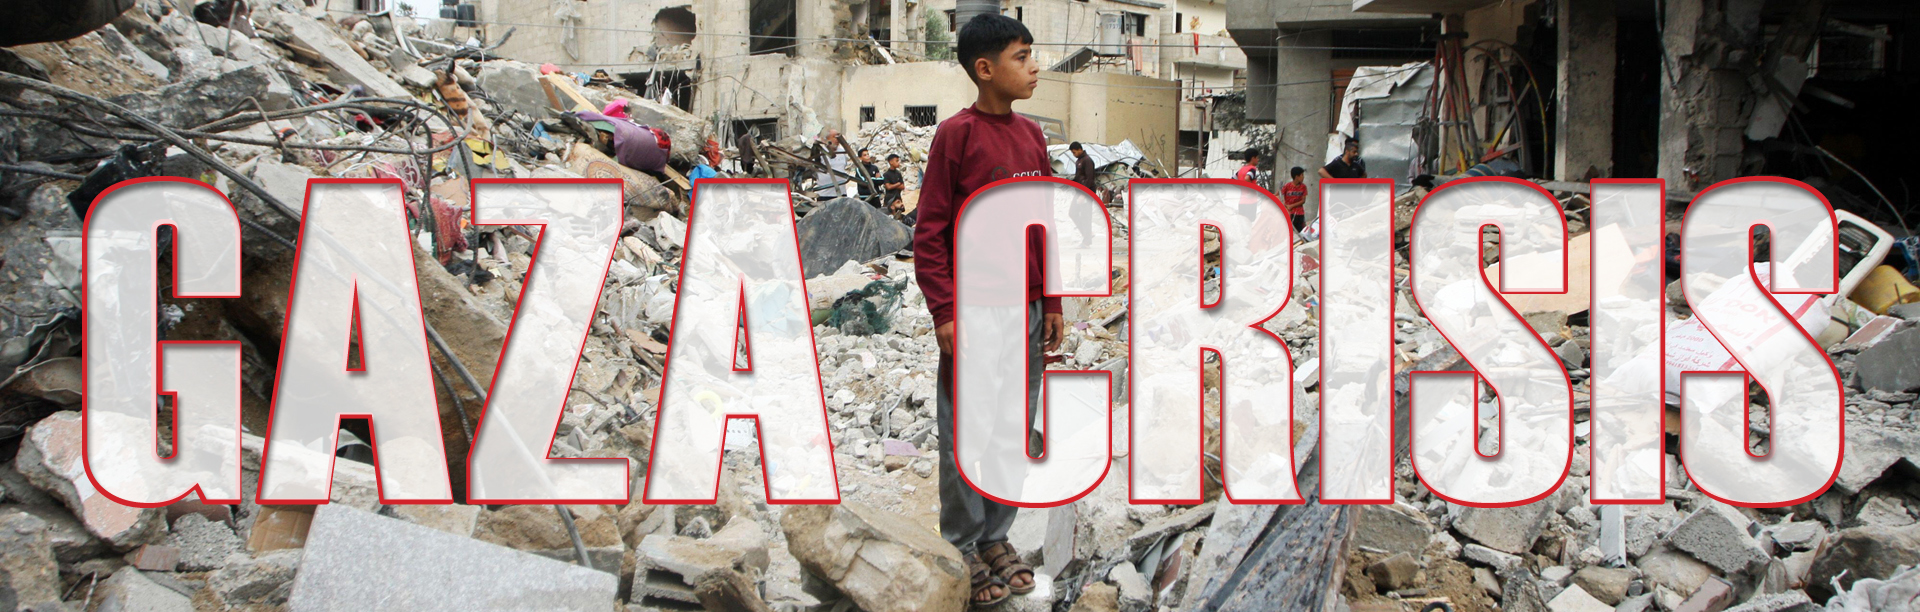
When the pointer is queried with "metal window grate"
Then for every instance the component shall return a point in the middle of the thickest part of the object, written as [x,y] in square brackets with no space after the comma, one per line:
[922,116]
[866,114]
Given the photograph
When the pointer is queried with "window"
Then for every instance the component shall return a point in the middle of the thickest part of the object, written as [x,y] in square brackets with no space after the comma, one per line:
[1020,14]
[951,26]
[1176,23]
[922,116]
[1133,23]
[866,114]
[772,21]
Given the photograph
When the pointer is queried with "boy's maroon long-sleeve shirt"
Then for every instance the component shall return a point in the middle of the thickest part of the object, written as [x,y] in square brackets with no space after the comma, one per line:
[970,150]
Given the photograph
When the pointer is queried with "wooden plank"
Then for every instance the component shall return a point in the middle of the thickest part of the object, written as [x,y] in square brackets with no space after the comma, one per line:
[563,95]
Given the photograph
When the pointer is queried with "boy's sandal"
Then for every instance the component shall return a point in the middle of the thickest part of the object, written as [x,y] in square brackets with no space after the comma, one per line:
[1006,565]
[984,583]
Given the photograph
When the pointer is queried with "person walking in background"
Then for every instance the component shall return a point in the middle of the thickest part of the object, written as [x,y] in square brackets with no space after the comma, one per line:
[1348,165]
[1293,197]
[1083,173]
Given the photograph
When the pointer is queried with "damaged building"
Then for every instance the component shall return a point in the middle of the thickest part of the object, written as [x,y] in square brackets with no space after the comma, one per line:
[256,102]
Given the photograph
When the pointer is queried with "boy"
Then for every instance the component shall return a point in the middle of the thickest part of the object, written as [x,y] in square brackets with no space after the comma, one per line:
[1293,197]
[977,146]
[894,183]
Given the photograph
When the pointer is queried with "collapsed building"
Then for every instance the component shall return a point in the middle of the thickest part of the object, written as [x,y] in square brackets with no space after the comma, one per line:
[293,91]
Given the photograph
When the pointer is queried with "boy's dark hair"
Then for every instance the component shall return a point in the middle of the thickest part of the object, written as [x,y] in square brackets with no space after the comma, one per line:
[1297,171]
[1252,153]
[1074,147]
[893,156]
[863,151]
[986,35]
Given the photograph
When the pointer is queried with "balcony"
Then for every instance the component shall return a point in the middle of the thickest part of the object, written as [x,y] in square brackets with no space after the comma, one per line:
[1201,50]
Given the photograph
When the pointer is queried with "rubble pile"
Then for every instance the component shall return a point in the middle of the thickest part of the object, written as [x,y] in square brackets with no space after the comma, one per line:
[303,93]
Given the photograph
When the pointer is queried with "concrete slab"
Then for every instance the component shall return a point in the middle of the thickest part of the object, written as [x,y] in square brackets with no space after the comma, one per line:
[357,560]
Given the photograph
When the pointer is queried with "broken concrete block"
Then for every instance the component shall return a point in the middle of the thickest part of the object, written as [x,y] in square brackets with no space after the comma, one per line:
[1489,557]
[1790,601]
[1885,511]
[1394,573]
[457,519]
[1862,552]
[729,590]
[1509,530]
[1712,596]
[1396,528]
[356,560]
[1098,597]
[1606,584]
[1797,535]
[846,229]
[28,570]
[349,67]
[127,590]
[155,558]
[1717,535]
[71,541]
[203,544]
[279,527]
[882,561]
[1575,599]
[50,458]
[672,567]
[1673,569]
[193,103]
[1893,364]
[515,86]
[1135,594]
[1180,522]
[263,579]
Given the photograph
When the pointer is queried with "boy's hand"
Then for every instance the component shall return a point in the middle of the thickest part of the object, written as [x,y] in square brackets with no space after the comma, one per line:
[944,334]
[1055,329]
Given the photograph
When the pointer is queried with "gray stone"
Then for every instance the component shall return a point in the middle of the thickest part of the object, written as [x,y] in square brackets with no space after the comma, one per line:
[204,545]
[357,560]
[1893,364]
[883,561]
[1557,574]
[191,103]
[1717,534]
[1885,511]
[349,67]
[1178,522]
[1790,601]
[515,86]
[1575,599]
[457,519]
[1394,573]
[71,541]
[1484,578]
[1606,584]
[1135,594]
[1489,557]
[265,579]
[28,571]
[128,590]
[1391,529]
[1872,551]
[1673,569]
[1509,530]
[1870,451]
[1443,546]
[50,458]
[671,567]
[1797,535]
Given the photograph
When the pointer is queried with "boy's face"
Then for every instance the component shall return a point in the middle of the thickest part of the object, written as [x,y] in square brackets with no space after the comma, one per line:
[894,163]
[1300,178]
[1012,72]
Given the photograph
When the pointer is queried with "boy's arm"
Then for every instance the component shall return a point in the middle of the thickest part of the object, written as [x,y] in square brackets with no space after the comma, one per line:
[933,232]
